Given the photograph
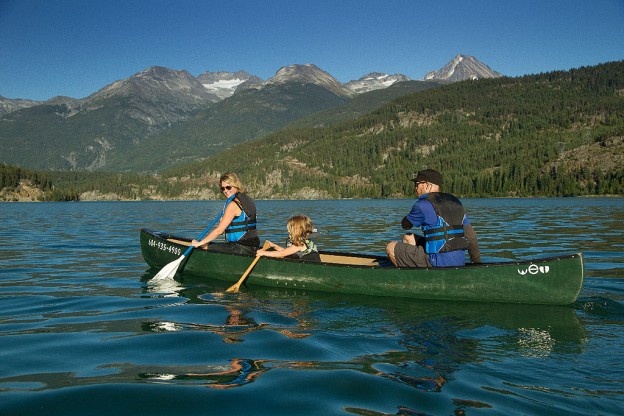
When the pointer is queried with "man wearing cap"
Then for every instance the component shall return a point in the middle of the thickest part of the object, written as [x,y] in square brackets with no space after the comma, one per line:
[447,231]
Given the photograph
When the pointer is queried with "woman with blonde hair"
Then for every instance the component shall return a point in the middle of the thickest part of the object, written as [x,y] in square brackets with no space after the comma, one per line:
[299,245]
[238,220]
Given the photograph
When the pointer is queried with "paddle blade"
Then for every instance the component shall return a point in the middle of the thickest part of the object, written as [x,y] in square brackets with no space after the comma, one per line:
[169,270]
[235,288]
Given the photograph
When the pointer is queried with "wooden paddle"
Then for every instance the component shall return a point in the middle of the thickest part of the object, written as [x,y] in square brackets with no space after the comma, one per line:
[169,270]
[236,286]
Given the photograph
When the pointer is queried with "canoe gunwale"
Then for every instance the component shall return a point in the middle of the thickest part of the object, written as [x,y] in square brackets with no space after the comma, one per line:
[555,280]
[546,259]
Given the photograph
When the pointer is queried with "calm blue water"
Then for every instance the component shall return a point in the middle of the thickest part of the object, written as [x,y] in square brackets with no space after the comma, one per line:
[84,332]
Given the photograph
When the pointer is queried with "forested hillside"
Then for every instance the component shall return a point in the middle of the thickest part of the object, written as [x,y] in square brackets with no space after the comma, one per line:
[18,184]
[22,182]
[554,134]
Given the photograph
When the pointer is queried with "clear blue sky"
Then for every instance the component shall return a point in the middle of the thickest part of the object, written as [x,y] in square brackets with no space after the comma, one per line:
[76,47]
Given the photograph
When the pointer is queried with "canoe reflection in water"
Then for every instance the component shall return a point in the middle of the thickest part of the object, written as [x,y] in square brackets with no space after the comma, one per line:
[433,340]
[430,384]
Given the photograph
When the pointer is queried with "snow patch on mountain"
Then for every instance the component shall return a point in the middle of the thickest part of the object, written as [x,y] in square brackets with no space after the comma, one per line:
[224,84]
[224,88]
[374,81]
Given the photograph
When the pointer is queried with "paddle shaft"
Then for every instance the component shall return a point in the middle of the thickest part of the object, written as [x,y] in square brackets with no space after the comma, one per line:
[236,286]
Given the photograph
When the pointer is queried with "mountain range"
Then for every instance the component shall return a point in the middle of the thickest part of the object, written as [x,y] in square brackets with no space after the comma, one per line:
[161,117]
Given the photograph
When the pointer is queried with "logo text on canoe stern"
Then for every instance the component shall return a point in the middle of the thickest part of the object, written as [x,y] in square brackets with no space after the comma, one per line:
[534,269]
[165,247]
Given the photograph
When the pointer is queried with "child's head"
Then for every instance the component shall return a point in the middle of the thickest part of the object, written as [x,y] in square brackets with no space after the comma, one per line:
[299,227]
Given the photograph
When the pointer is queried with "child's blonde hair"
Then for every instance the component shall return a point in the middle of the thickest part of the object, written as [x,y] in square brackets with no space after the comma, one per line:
[299,227]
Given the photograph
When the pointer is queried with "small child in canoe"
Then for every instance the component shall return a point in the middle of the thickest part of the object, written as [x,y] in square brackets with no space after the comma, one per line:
[299,245]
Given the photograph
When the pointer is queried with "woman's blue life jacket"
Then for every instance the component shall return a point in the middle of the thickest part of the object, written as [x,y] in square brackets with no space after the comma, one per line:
[242,229]
[448,232]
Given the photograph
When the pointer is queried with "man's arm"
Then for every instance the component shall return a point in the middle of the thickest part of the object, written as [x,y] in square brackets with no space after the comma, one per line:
[473,243]
[406,224]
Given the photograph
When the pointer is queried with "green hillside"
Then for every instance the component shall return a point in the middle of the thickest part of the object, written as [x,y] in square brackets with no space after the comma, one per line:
[246,116]
[43,137]
[364,103]
[555,134]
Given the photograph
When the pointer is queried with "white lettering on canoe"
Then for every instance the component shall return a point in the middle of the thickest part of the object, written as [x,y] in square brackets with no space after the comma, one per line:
[534,269]
[165,247]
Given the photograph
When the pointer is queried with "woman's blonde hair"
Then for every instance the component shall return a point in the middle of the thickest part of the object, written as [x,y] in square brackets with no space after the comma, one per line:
[232,179]
[299,227]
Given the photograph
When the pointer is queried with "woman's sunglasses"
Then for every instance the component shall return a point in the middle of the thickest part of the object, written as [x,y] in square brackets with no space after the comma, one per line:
[228,187]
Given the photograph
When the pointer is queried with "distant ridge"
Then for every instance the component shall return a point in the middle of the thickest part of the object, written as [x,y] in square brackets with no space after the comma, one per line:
[223,84]
[8,105]
[309,74]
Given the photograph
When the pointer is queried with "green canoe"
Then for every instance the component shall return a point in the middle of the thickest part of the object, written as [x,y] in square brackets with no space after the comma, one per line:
[553,280]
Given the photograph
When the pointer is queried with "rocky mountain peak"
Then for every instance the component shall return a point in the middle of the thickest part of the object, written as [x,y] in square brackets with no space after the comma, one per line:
[158,95]
[461,68]
[158,81]
[309,74]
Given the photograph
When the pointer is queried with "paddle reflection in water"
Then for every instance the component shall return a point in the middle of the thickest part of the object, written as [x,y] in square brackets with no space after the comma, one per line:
[240,371]
[236,323]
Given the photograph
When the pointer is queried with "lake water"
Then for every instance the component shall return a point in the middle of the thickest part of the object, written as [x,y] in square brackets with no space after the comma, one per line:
[83,331]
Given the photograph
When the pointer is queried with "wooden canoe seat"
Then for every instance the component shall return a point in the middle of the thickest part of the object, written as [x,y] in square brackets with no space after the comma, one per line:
[358,261]
[184,243]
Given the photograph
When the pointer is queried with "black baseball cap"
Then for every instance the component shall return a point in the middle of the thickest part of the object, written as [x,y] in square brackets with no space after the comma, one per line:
[428,175]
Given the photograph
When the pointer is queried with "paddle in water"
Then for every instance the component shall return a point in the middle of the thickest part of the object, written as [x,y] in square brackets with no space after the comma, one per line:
[170,269]
[236,286]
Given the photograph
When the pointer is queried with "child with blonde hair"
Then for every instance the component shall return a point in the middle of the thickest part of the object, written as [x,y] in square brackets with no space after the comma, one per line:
[300,246]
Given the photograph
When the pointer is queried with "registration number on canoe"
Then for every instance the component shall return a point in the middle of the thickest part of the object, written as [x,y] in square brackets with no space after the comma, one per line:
[165,247]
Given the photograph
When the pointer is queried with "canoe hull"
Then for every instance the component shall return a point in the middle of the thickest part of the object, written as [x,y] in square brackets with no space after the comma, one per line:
[554,280]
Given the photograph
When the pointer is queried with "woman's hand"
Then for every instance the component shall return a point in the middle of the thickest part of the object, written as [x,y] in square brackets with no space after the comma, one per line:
[198,244]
